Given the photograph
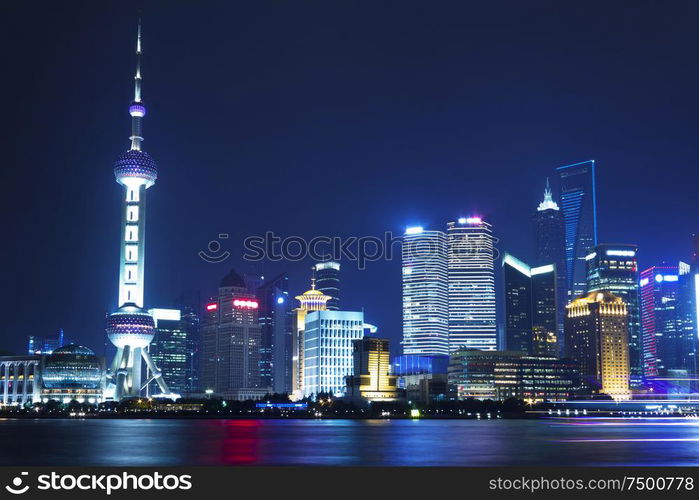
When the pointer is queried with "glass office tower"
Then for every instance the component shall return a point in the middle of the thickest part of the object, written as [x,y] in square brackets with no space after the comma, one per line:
[669,346]
[530,307]
[470,262]
[550,248]
[579,206]
[614,268]
[425,292]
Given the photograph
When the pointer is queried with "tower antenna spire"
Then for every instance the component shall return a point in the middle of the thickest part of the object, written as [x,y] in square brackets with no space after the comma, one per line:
[548,203]
[137,110]
[137,78]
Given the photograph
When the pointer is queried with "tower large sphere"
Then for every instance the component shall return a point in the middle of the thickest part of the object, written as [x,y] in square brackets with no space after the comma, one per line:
[130,326]
[72,367]
[136,164]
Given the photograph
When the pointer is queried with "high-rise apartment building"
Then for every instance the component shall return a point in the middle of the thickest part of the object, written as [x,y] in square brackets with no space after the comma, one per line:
[471,284]
[425,292]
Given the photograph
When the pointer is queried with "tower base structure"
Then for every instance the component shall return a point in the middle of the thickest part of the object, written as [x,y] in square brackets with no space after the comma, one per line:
[131,330]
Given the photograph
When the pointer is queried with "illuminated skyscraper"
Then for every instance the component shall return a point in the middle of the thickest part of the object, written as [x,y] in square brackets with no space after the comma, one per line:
[231,340]
[597,338]
[45,345]
[471,278]
[669,347]
[579,206]
[171,349]
[276,318]
[530,307]
[327,358]
[614,268]
[549,235]
[328,282]
[311,300]
[130,328]
[371,377]
[425,292]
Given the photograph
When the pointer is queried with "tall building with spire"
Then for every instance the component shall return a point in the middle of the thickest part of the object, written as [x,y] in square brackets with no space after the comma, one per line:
[130,328]
[550,248]
[579,205]
[311,300]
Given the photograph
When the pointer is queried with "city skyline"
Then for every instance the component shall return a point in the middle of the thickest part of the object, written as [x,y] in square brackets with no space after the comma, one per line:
[180,269]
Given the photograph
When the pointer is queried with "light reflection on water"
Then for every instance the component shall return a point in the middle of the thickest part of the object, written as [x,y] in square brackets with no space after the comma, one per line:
[570,442]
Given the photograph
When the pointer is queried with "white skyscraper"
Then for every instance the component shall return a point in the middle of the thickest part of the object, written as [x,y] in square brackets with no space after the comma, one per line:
[328,349]
[425,292]
[470,260]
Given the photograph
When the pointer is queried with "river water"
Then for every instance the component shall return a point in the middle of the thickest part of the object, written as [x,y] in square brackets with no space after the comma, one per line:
[162,442]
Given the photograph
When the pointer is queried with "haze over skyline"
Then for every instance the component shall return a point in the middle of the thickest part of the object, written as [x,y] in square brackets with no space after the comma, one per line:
[263,119]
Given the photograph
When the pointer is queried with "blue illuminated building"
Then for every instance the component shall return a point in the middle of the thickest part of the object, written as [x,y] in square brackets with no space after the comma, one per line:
[409,364]
[579,206]
[276,321]
[669,338]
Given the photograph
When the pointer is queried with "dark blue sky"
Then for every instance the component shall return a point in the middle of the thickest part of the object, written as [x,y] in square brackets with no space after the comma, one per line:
[329,118]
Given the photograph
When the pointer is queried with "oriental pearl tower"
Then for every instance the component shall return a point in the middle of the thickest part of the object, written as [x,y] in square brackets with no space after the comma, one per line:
[130,328]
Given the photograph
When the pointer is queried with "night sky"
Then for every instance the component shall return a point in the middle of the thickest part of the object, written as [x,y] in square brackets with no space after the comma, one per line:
[329,118]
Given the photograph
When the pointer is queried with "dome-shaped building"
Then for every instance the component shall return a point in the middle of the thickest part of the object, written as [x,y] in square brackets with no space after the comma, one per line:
[72,372]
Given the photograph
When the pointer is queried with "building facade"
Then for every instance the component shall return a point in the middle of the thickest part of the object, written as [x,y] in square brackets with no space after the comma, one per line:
[171,350]
[276,321]
[597,339]
[371,378]
[425,292]
[669,346]
[614,268]
[309,301]
[499,375]
[328,281]
[72,373]
[530,307]
[579,207]
[328,350]
[20,379]
[471,285]
[549,237]
[44,345]
[231,340]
